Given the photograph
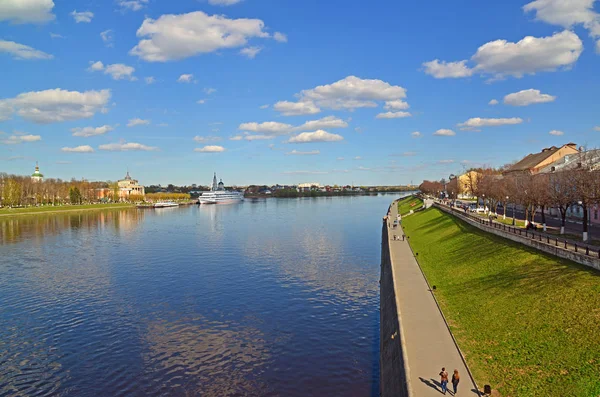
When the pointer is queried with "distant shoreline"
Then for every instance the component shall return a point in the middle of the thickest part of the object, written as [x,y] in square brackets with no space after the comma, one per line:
[63,208]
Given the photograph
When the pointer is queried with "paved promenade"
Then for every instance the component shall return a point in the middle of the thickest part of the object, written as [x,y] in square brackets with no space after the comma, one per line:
[428,343]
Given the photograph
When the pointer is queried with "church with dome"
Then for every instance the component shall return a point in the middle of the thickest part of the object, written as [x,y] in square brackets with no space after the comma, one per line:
[37,176]
[130,187]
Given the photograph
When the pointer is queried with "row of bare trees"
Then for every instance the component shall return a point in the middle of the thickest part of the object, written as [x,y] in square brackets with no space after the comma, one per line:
[561,190]
[16,191]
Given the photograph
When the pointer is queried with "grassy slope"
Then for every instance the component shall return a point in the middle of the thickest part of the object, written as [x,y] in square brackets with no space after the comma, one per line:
[406,204]
[46,209]
[528,323]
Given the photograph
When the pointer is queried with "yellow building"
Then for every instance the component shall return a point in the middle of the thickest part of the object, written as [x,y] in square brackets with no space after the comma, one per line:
[534,162]
[130,187]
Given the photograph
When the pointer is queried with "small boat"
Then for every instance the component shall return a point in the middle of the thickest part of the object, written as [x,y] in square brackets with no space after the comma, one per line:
[165,204]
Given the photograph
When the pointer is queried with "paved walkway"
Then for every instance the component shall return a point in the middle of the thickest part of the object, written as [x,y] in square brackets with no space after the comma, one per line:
[429,345]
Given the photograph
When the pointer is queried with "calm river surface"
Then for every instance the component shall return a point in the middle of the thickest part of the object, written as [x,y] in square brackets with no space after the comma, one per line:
[263,298]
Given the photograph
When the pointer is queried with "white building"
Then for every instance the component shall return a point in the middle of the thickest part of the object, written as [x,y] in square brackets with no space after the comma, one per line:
[37,176]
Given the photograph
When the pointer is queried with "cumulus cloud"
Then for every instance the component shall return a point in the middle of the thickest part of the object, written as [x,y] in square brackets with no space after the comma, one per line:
[150,80]
[117,71]
[202,139]
[393,115]
[236,138]
[54,106]
[17,139]
[30,11]
[210,149]
[398,104]
[223,2]
[107,37]
[556,133]
[527,97]
[137,121]
[133,5]
[444,132]
[264,106]
[185,78]
[126,147]
[477,122]
[56,36]
[78,149]
[501,58]
[316,136]
[416,134]
[445,161]
[22,51]
[209,90]
[493,102]
[445,70]
[280,37]
[296,108]
[84,16]
[257,137]
[267,128]
[174,37]
[91,131]
[321,124]
[299,153]
[250,52]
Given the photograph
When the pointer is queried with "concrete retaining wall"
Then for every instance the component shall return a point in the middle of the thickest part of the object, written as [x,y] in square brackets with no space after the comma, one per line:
[393,382]
[551,249]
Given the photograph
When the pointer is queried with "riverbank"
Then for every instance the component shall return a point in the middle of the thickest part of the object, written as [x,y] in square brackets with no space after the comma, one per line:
[407,204]
[526,321]
[6,212]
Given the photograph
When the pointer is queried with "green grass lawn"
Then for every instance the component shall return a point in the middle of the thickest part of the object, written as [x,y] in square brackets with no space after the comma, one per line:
[35,210]
[528,323]
[409,203]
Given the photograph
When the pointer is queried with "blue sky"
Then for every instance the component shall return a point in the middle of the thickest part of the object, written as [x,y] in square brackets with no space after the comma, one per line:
[289,91]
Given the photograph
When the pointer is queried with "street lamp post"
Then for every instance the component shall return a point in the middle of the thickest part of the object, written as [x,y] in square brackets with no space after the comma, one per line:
[505,208]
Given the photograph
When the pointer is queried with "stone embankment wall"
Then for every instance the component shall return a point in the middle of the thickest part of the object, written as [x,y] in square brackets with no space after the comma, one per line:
[552,249]
[392,377]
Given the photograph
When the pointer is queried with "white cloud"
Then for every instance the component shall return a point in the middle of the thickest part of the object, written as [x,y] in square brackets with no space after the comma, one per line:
[22,51]
[16,139]
[445,161]
[296,108]
[84,16]
[321,124]
[567,13]
[250,52]
[78,149]
[477,122]
[223,2]
[556,133]
[493,102]
[91,131]
[185,78]
[210,149]
[444,132]
[137,121]
[259,137]
[527,97]
[267,128]
[597,128]
[304,172]
[339,158]
[150,80]
[502,58]
[133,5]
[202,139]
[126,147]
[209,90]
[236,138]
[56,36]
[201,101]
[280,37]
[54,106]
[408,154]
[357,158]
[352,93]
[393,115]
[264,106]
[107,37]
[316,136]
[174,37]
[299,153]
[416,134]
[30,11]
[445,70]
[397,104]
[117,71]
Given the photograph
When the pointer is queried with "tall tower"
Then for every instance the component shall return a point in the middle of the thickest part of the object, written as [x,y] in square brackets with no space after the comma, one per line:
[37,176]
[214,185]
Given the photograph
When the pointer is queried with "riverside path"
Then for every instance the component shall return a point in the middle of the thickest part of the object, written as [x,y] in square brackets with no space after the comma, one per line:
[427,342]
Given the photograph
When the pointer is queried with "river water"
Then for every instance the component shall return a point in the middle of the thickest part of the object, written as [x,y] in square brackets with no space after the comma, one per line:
[276,297]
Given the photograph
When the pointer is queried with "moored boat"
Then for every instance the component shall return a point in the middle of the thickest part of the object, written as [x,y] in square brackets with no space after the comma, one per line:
[165,204]
[218,194]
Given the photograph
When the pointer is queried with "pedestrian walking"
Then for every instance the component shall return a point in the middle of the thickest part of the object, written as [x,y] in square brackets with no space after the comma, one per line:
[444,380]
[455,380]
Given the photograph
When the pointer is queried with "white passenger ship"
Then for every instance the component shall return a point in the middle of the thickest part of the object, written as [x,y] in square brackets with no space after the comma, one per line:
[218,194]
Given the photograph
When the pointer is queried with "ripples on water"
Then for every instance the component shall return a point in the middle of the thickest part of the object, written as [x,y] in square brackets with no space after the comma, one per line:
[265,298]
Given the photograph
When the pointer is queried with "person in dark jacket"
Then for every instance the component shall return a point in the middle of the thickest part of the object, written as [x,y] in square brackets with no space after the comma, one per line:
[455,380]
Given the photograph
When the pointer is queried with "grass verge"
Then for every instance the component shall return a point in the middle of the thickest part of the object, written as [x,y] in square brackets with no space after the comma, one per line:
[62,208]
[409,203]
[527,322]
